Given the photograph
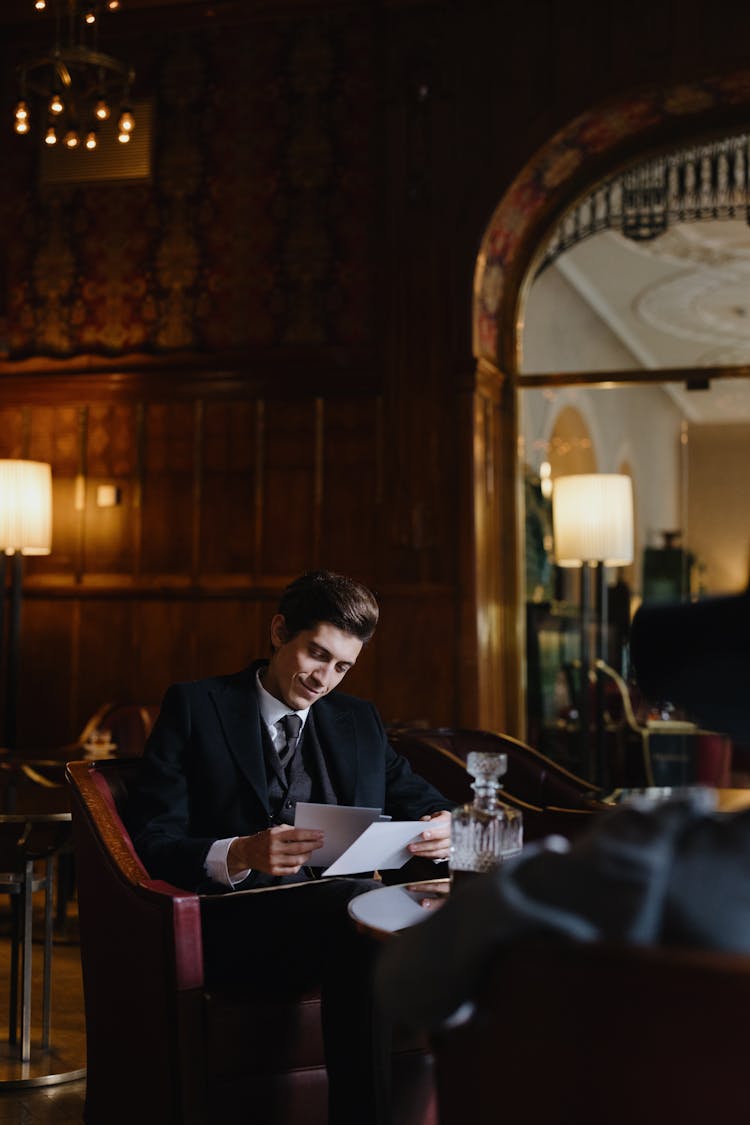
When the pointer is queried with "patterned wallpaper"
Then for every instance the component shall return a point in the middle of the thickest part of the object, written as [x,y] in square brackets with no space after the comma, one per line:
[259,226]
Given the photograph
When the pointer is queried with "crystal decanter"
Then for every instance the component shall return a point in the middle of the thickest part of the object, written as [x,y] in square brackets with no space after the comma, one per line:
[487,831]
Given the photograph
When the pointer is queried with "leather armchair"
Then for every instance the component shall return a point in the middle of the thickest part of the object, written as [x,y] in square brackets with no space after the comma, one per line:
[551,798]
[593,1033]
[161,1049]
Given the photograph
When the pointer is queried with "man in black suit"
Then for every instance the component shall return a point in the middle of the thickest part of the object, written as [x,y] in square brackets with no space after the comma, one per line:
[213,811]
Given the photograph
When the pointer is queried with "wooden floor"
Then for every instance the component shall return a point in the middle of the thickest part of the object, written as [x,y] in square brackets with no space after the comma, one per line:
[59,1104]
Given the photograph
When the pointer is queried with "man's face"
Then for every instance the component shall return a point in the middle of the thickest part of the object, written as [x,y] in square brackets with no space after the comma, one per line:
[306,667]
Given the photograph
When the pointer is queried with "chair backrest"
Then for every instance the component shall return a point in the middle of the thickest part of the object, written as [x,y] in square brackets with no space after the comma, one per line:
[592,1034]
[120,727]
[551,798]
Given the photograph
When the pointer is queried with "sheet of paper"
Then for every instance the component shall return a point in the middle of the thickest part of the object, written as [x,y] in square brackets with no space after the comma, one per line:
[342,825]
[381,846]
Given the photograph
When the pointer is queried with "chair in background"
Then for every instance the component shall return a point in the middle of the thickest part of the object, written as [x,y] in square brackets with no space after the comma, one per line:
[663,752]
[550,797]
[201,1056]
[591,1034]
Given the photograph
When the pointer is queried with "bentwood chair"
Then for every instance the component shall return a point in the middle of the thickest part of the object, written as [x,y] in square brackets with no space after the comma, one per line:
[161,1048]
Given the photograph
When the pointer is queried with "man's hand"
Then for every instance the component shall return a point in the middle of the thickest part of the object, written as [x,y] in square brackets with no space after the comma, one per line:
[435,841]
[281,850]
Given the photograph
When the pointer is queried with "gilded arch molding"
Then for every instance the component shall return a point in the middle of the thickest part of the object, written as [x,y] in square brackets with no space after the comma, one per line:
[589,148]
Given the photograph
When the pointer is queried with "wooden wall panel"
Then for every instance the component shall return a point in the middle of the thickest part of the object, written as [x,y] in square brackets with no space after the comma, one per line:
[232,447]
[168,503]
[111,459]
[291,487]
[415,647]
[351,487]
[105,647]
[11,431]
[230,633]
[47,669]
[167,645]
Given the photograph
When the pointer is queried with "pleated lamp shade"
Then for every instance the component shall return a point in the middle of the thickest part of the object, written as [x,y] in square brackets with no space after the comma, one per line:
[25,507]
[592,519]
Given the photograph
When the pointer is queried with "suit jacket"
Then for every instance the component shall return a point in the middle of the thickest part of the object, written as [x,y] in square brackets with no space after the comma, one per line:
[671,873]
[203,775]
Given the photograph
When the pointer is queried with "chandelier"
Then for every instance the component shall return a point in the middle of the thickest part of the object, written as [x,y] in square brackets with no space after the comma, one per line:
[708,181]
[73,88]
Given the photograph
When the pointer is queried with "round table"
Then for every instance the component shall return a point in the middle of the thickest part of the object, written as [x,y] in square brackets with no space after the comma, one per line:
[387,910]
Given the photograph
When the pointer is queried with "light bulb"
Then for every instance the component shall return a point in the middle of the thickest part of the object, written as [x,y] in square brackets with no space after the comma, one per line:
[50,137]
[56,104]
[40,5]
[21,126]
[101,110]
[71,139]
[91,139]
[113,5]
[126,124]
[22,111]
[123,138]
[89,15]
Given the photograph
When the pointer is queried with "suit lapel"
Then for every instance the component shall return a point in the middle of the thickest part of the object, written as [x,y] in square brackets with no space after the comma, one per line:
[338,740]
[236,703]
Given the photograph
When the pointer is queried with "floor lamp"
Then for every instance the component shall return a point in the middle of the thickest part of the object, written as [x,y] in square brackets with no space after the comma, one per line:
[592,523]
[25,529]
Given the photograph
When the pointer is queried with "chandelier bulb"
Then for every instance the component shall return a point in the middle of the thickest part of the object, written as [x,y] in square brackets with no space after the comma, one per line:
[22,110]
[101,110]
[40,5]
[21,126]
[50,137]
[126,124]
[71,139]
[89,15]
[91,139]
[56,104]
[113,5]
[123,138]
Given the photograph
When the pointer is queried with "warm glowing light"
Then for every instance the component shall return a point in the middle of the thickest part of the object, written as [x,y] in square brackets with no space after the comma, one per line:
[91,139]
[126,124]
[25,507]
[21,126]
[89,16]
[56,104]
[22,111]
[113,5]
[123,138]
[101,110]
[592,515]
[50,137]
[71,139]
[40,5]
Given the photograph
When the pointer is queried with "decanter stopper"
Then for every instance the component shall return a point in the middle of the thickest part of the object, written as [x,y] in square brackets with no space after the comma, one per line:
[487,831]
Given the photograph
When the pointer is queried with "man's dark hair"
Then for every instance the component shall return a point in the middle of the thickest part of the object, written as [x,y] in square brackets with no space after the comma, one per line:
[321,595]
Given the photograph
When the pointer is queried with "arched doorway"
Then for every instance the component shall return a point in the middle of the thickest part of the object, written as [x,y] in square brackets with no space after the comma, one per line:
[591,147]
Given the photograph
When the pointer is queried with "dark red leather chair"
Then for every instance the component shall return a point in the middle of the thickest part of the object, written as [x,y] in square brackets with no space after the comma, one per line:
[588,1034]
[550,797]
[161,1049]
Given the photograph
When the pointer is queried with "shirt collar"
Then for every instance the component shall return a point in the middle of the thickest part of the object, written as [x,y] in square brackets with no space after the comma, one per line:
[271,708]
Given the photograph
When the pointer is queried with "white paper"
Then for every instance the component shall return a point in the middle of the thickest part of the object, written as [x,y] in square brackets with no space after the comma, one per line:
[342,824]
[381,846]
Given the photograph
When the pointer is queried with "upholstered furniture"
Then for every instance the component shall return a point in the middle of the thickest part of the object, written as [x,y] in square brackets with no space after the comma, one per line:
[551,798]
[161,1049]
[590,1034]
